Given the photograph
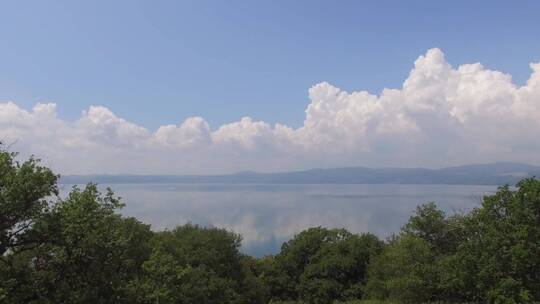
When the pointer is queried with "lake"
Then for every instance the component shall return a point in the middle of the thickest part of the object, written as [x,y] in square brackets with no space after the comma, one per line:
[268,214]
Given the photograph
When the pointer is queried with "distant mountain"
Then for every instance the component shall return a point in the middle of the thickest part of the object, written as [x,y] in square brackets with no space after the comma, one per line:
[482,174]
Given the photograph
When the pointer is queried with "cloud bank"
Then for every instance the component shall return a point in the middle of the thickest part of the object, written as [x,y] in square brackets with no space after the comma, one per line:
[440,116]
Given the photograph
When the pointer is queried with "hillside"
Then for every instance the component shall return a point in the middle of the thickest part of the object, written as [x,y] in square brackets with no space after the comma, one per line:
[478,174]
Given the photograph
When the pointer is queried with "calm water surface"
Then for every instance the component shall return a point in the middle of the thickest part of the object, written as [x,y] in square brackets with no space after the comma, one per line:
[267,215]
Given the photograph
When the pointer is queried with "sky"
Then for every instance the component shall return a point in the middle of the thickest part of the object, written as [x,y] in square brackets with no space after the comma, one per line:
[177,87]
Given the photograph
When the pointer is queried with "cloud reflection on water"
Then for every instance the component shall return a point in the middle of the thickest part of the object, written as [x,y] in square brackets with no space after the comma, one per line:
[267,215]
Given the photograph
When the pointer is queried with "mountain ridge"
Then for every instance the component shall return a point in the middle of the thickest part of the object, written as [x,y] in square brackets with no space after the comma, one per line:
[478,174]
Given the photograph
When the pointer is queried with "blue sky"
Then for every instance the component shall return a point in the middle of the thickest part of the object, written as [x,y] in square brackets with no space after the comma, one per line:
[203,87]
[158,62]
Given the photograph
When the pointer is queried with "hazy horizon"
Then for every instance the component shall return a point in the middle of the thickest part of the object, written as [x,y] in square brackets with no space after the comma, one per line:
[310,169]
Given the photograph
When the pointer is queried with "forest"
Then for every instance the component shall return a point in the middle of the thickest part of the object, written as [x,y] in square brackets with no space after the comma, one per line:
[80,249]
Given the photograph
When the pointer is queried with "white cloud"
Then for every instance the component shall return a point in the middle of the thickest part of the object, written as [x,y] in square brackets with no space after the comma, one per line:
[244,134]
[441,116]
[101,126]
[192,133]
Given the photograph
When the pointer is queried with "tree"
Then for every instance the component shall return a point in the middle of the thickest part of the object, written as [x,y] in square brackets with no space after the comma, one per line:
[491,255]
[501,255]
[338,271]
[255,289]
[321,265]
[412,266]
[405,272]
[191,264]
[90,254]
[295,255]
[431,224]
[24,189]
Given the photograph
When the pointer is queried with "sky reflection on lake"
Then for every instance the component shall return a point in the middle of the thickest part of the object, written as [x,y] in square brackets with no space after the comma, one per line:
[266,215]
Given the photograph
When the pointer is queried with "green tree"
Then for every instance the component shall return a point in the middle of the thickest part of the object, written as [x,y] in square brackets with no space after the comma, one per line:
[500,260]
[24,188]
[191,264]
[431,224]
[405,272]
[321,265]
[255,288]
[24,191]
[90,254]
[338,271]
[411,268]
[491,255]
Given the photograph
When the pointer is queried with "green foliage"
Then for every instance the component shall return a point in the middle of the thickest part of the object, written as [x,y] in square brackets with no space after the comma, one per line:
[428,223]
[24,188]
[192,264]
[322,265]
[499,262]
[491,255]
[405,272]
[90,254]
[410,268]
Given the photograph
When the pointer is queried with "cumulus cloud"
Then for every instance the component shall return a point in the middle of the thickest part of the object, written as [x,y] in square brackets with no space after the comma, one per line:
[442,115]
[193,132]
[101,126]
